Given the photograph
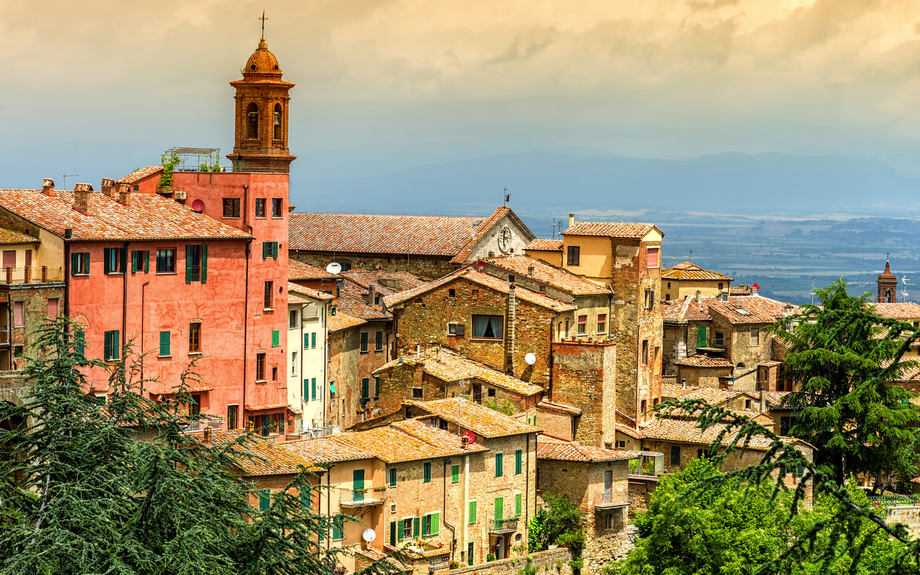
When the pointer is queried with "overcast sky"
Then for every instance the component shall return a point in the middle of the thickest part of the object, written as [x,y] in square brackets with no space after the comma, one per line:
[100,87]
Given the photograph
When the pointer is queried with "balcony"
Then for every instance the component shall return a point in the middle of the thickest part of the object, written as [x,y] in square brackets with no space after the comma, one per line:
[502,526]
[31,275]
[603,501]
[365,498]
[713,344]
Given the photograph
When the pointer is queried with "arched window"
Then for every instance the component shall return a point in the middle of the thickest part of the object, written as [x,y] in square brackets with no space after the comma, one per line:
[252,121]
[276,119]
[887,296]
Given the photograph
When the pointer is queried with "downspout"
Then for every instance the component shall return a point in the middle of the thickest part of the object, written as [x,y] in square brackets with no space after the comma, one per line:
[511,319]
[67,234]
[465,504]
[325,361]
[527,496]
[328,502]
[124,303]
[143,309]
[245,306]
[453,530]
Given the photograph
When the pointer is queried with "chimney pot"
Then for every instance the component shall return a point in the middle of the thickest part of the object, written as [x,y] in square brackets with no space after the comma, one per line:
[571,220]
[530,270]
[48,186]
[83,188]
[81,201]
[207,436]
[108,186]
[124,193]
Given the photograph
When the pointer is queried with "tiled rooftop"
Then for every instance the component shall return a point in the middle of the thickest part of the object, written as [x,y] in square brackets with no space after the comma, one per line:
[477,418]
[385,283]
[712,395]
[482,279]
[739,290]
[267,458]
[751,310]
[704,360]
[521,266]
[146,217]
[301,271]
[483,228]
[545,245]
[350,300]
[382,234]
[691,271]
[409,440]
[610,229]
[326,449]
[687,309]
[451,367]
[140,174]
[903,311]
[561,450]
[342,320]
[309,292]
[11,238]
[686,431]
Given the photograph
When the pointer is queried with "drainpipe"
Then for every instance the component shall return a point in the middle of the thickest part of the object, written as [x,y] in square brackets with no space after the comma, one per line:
[511,316]
[124,304]
[143,309]
[302,382]
[527,496]
[465,505]
[67,235]
[453,531]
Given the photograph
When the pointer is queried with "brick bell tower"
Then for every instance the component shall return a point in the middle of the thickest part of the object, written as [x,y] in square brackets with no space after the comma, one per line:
[887,286]
[261,143]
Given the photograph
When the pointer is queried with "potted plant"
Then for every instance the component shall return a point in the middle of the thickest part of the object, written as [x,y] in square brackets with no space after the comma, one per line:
[381,488]
[362,490]
[170,160]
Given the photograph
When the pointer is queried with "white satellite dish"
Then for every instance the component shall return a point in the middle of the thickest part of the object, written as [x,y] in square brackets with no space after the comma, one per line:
[530,359]
[334,268]
[369,535]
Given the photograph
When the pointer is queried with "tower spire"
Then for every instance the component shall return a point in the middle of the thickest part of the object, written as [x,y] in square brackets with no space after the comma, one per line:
[263,19]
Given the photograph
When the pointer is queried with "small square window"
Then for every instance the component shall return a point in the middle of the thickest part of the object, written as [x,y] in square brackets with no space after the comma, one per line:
[451,293]
[260,207]
[277,204]
[491,392]
[416,393]
[231,207]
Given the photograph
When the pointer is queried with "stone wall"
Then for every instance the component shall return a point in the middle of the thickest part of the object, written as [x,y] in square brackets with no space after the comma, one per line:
[426,267]
[551,562]
[908,515]
[584,376]
[640,492]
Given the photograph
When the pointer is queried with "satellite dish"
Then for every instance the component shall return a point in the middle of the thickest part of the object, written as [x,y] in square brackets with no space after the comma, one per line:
[480,266]
[470,435]
[198,206]
[334,268]
[369,535]
[530,359]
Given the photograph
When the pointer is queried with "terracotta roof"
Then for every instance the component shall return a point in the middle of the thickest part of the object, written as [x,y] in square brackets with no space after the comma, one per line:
[481,230]
[691,271]
[477,418]
[611,229]
[704,360]
[558,407]
[444,236]
[544,273]
[686,431]
[545,245]
[140,174]
[267,407]
[267,458]
[10,238]
[739,290]
[485,280]
[687,309]
[451,367]
[146,217]
[561,450]
[350,300]
[751,310]
[771,363]
[409,440]
[626,430]
[775,399]
[712,395]
[887,275]
[342,320]
[670,390]
[293,298]
[309,292]
[326,449]
[301,271]
[384,282]
[903,311]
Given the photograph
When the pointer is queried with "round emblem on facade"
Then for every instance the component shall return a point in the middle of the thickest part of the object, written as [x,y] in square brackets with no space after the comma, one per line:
[504,240]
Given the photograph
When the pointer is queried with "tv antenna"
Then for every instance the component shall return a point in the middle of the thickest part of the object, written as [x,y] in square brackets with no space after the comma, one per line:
[690,257]
[554,228]
[64,183]
[904,293]
[507,196]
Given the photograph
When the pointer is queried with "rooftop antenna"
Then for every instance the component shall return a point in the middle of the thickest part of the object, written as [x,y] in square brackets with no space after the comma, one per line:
[263,19]
[554,228]
[64,183]
[690,257]
[904,288]
[507,197]
[813,291]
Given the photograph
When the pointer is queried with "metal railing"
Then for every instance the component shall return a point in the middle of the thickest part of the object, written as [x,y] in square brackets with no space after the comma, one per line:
[35,274]
[893,500]
[505,525]
[365,497]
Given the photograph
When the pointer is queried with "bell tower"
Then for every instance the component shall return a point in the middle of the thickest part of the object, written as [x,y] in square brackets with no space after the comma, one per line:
[887,286]
[261,142]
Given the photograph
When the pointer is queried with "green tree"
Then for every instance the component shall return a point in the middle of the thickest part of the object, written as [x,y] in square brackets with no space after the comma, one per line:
[79,494]
[558,522]
[845,356]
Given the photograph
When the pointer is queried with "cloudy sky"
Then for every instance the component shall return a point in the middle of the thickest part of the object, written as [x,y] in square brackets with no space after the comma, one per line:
[98,88]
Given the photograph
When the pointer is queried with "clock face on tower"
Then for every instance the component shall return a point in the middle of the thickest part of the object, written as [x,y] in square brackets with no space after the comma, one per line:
[504,240]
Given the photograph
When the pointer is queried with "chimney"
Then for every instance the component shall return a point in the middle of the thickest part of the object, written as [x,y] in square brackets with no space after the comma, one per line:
[510,319]
[683,382]
[81,194]
[207,436]
[108,187]
[530,271]
[763,401]
[48,187]
[369,298]
[697,296]
[124,193]
[571,220]
[466,441]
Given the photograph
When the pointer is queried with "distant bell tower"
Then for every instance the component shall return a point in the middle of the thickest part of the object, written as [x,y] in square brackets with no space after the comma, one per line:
[887,286]
[261,143]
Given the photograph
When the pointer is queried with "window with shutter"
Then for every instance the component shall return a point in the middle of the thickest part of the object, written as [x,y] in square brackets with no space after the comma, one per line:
[265,499]
[416,526]
[313,339]
[498,464]
[306,341]
[518,461]
[573,256]
[146,261]
[194,337]
[363,342]
[517,505]
[313,388]
[338,532]
[392,477]
[652,257]
[276,338]
[435,523]
[365,387]
[164,344]
[472,513]
[378,341]
[392,534]
[427,472]
[455,474]
[376,387]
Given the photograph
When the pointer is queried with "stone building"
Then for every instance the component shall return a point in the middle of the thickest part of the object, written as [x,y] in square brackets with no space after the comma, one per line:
[687,278]
[426,246]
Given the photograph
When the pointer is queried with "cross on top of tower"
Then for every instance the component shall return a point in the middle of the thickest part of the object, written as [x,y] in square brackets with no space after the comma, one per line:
[263,19]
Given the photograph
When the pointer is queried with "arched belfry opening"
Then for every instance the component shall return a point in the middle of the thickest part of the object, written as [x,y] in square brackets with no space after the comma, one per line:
[262,113]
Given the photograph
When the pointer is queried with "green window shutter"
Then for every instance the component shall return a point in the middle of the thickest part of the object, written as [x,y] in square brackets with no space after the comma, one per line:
[73,264]
[204,263]
[472,518]
[365,387]
[401,529]
[306,388]
[498,465]
[266,247]
[306,341]
[337,529]
[188,264]
[107,353]
[106,258]
[275,250]
[133,261]
[427,472]
[79,341]
[265,499]
[322,536]
[469,553]
[435,523]
[499,508]
[455,474]
[124,260]
[426,525]
[86,263]
[306,500]
[164,343]
[313,339]
[357,479]
[146,261]
[376,387]
[276,335]
[116,346]
[313,387]
[392,477]
[416,526]
[392,534]
[518,461]
[701,336]
[517,505]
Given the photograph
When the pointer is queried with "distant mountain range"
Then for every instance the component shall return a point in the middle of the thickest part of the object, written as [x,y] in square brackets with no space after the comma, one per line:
[553,183]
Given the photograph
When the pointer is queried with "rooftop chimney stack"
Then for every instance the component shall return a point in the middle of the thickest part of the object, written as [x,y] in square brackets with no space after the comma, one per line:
[207,436]
[108,187]
[571,220]
[124,193]
[48,187]
[371,292]
[81,195]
